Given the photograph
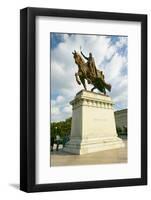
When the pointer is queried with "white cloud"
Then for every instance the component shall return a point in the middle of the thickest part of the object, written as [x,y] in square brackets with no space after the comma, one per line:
[63,69]
[67,109]
[114,67]
[60,99]
[55,110]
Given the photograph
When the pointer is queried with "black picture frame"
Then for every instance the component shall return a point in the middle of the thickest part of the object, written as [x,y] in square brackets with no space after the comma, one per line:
[28,99]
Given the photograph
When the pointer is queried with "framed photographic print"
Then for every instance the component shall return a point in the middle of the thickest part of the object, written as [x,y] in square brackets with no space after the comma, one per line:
[83,99]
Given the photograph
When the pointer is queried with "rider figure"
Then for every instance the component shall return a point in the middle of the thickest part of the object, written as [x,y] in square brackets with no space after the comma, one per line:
[91,65]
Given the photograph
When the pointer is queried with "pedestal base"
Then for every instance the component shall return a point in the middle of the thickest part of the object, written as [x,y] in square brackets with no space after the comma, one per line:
[93,124]
[88,146]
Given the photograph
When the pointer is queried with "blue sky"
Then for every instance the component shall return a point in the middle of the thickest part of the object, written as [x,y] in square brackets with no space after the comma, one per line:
[111,56]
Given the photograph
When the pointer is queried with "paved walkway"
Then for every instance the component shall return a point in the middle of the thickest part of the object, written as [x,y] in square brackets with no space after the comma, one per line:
[61,158]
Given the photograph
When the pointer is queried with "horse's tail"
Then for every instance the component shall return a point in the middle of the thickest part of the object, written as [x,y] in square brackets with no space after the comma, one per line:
[106,85]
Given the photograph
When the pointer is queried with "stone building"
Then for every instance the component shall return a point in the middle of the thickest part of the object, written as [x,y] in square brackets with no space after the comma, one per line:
[121,121]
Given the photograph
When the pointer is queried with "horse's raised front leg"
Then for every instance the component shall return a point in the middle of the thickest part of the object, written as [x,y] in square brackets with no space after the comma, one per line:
[77,79]
[83,82]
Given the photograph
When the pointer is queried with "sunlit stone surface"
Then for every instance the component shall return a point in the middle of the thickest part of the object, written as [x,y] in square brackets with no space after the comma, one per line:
[93,124]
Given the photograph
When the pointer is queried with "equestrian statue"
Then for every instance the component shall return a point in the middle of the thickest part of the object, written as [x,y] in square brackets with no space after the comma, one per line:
[87,71]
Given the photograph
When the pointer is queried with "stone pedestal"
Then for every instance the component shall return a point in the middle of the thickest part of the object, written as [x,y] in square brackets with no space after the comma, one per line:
[93,124]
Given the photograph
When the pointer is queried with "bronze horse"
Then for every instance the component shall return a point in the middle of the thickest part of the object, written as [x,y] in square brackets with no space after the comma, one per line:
[84,73]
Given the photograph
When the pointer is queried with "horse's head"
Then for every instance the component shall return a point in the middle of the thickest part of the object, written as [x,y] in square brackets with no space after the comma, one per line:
[77,57]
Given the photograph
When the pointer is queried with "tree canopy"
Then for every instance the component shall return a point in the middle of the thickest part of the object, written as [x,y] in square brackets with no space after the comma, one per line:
[62,128]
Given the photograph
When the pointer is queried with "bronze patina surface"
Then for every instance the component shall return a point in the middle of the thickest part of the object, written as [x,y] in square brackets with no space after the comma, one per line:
[87,71]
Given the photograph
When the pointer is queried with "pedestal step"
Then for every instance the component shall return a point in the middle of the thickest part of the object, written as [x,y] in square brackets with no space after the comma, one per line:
[88,146]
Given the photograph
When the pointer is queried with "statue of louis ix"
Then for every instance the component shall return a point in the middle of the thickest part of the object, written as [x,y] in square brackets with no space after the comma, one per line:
[88,71]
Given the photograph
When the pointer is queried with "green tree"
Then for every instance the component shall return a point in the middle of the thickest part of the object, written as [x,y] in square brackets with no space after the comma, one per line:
[62,128]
